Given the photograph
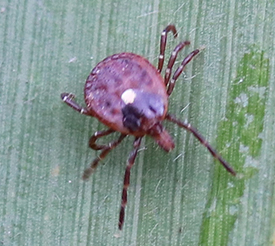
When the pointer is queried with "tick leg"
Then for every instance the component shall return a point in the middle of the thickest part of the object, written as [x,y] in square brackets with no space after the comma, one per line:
[68,99]
[178,72]
[126,183]
[97,135]
[163,40]
[195,132]
[87,173]
[172,60]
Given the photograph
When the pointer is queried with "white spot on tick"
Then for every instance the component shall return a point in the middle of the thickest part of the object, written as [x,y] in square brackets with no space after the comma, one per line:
[128,96]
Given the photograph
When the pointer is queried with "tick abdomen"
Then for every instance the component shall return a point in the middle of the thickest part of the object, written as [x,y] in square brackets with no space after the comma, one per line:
[114,76]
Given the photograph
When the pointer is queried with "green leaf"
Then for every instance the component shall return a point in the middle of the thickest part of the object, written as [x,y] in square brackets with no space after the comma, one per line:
[178,198]
[246,106]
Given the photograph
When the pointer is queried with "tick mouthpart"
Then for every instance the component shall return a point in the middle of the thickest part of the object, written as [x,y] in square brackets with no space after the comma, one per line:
[162,137]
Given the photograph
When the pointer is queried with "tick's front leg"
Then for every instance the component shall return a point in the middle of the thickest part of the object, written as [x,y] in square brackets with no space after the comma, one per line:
[197,135]
[68,98]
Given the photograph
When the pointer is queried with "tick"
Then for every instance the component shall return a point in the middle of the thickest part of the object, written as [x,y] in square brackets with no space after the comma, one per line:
[128,94]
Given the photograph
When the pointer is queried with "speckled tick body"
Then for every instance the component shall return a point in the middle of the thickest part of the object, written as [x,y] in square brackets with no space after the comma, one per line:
[129,95]
[126,93]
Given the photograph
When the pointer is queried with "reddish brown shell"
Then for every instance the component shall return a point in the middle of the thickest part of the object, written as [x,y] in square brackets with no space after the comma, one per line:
[113,76]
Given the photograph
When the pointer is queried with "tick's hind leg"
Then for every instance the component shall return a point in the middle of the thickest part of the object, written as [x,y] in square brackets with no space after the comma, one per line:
[172,60]
[126,183]
[105,150]
[195,132]
[97,135]
[163,40]
[68,98]
[178,72]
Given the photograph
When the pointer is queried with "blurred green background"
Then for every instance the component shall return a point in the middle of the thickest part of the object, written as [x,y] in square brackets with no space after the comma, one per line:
[182,198]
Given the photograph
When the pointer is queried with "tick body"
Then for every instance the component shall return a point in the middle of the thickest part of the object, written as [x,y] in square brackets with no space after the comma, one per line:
[128,95]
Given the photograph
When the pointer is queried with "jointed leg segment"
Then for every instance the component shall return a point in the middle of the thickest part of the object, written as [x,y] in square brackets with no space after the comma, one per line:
[97,135]
[195,132]
[178,72]
[68,99]
[105,150]
[172,60]
[163,40]
[126,183]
